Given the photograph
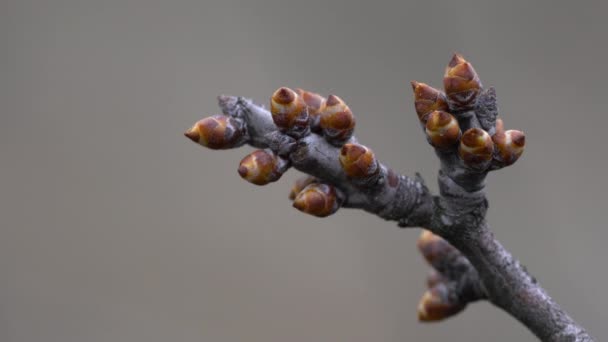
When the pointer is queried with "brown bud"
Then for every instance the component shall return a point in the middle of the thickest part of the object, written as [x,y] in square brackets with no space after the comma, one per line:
[510,145]
[337,121]
[427,99]
[433,278]
[476,147]
[358,161]
[217,132]
[314,102]
[442,129]
[318,200]
[433,248]
[300,184]
[461,83]
[436,304]
[261,167]
[500,126]
[289,112]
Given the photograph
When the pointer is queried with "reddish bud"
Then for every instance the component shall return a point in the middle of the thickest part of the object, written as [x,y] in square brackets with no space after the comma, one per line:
[428,99]
[314,102]
[300,184]
[442,129]
[337,120]
[317,199]
[461,83]
[510,145]
[436,304]
[476,147]
[289,112]
[217,132]
[260,168]
[358,161]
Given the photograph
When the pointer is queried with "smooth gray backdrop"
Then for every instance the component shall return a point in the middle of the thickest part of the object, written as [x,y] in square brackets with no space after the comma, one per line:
[114,227]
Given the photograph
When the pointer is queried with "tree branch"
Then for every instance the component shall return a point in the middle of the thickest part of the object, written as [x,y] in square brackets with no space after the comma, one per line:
[315,136]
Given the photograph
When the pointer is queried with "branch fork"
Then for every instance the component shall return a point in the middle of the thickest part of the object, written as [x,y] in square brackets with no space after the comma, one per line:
[315,135]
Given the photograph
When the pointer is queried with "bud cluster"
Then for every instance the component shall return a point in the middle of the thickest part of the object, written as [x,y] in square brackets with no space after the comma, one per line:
[439,301]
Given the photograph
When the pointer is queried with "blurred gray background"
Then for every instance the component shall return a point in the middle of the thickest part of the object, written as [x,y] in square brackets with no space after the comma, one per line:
[114,227]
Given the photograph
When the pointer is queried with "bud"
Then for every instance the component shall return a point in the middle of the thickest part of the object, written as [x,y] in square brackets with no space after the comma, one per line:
[510,145]
[500,126]
[476,147]
[289,112]
[442,129]
[461,83]
[337,121]
[300,184]
[436,304]
[217,132]
[358,161]
[318,200]
[261,167]
[427,99]
[434,278]
[432,247]
[314,102]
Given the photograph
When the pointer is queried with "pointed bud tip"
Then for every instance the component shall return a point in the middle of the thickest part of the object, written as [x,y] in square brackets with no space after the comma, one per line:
[284,95]
[414,85]
[192,135]
[333,100]
[456,59]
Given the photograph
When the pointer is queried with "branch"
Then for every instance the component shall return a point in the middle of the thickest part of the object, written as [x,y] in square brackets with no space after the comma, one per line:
[315,136]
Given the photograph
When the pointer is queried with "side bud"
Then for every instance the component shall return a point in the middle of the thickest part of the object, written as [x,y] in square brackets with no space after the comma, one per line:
[358,161]
[427,99]
[431,246]
[436,304]
[510,146]
[442,129]
[318,200]
[337,121]
[299,185]
[461,83]
[314,102]
[476,147]
[217,132]
[261,167]
[289,112]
